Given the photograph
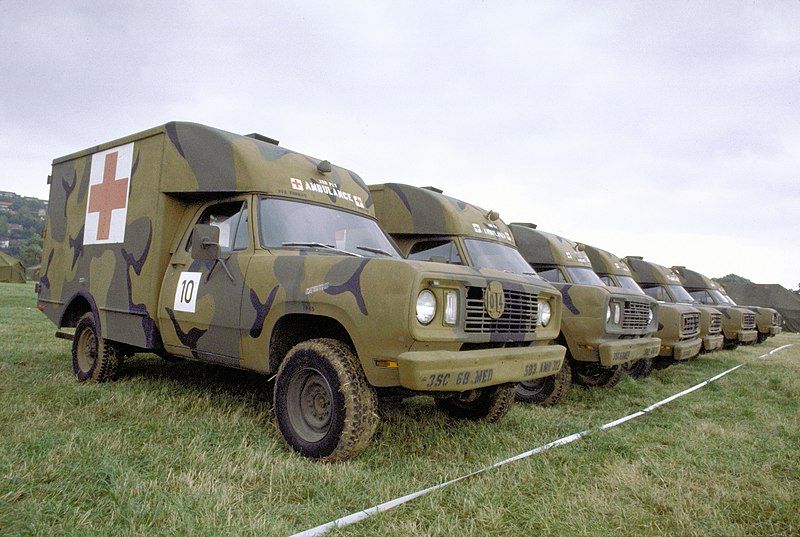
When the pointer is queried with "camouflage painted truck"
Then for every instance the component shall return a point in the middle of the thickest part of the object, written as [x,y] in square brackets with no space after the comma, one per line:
[188,241]
[671,322]
[768,320]
[605,329]
[701,326]
[429,226]
[738,323]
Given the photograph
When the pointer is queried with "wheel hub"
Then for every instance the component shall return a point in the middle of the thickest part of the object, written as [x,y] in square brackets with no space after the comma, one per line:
[310,398]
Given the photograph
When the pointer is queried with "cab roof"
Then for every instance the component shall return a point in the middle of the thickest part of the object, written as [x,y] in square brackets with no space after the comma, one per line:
[410,210]
[693,280]
[198,159]
[604,262]
[647,272]
[542,248]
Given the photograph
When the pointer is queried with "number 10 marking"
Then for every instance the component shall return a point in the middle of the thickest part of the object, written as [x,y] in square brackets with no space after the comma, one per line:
[186,291]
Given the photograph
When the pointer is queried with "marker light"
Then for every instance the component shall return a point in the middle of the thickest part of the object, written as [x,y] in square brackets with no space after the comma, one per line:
[450,307]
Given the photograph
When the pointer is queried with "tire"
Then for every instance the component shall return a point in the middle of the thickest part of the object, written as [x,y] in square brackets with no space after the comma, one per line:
[762,337]
[639,369]
[663,362]
[594,375]
[486,405]
[546,391]
[94,359]
[730,344]
[324,407]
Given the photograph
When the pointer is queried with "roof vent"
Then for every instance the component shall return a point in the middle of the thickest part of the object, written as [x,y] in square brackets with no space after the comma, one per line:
[262,138]
[434,189]
[493,216]
[524,224]
[324,167]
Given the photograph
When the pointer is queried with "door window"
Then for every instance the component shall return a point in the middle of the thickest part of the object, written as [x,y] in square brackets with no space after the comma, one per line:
[231,218]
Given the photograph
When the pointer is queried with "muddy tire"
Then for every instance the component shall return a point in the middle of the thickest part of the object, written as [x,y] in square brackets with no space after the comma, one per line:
[593,375]
[487,405]
[546,391]
[730,344]
[761,337]
[324,407]
[94,359]
[640,368]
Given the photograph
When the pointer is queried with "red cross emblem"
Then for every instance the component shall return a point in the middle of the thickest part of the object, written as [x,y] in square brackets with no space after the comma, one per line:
[111,194]
[297,184]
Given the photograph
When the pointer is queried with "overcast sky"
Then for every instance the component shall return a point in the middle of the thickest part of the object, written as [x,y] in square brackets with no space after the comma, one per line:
[669,130]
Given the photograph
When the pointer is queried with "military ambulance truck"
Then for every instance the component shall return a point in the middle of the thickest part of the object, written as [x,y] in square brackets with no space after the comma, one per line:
[768,320]
[738,323]
[701,327]
[604,328]
[614,271]
[429,226]
[184,240]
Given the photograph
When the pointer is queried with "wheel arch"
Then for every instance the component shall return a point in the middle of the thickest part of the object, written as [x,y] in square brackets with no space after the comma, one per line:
[293,328]
[79,304]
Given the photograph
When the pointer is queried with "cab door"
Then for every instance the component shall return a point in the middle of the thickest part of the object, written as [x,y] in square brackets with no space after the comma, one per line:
[201,299]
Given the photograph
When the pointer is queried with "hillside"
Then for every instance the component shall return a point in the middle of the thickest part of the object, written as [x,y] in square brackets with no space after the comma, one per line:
[21,224]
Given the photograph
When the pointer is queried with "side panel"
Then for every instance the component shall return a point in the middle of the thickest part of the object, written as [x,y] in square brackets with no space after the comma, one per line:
[122,278]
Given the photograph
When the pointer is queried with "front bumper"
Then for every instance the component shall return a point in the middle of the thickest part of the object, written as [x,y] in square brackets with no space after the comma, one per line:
[747,336]
[682,350]
[458,371]
[628,350]
[774,330]
[712,343]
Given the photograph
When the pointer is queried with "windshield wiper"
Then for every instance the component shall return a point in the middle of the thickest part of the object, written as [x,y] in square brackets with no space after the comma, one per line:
[374,250]
[320,245]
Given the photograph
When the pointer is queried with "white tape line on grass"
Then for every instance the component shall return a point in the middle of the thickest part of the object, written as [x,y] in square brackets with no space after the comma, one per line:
[385,506]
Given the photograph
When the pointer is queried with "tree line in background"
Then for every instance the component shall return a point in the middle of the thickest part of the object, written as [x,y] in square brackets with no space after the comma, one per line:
[21,223]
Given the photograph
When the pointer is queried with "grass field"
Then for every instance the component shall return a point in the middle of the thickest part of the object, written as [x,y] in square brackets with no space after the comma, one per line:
[190,448]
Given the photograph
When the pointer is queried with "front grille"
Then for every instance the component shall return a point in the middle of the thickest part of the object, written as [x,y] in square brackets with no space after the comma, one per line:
[716,323]
[691,324]
[636,316]
[749,321]
[519,315]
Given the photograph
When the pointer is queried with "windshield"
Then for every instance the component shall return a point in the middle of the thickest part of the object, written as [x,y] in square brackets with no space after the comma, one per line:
[494,255]
[584,276]
[628,283]
[306,225]
[719,297]
[679,294]
[728,299]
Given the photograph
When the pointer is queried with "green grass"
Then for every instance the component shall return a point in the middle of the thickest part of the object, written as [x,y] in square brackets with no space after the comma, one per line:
[191,448]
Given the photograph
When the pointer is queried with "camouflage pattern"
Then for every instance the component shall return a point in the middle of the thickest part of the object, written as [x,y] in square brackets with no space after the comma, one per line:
[589,336]
[684,338]
[411,214]
[250,310]
[737,325]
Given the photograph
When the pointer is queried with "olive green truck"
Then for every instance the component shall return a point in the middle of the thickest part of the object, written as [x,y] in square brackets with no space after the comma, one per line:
[429,226]
[738,323]
[678,324]
[188,241]
[605,329]
[663,284]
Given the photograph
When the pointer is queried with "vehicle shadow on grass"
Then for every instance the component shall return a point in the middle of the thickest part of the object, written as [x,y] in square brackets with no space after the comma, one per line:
[221,384]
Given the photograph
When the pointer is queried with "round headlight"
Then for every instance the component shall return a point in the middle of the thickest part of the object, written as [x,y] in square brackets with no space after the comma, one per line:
[426,307]
[608,313]
[544,312]
[650,316]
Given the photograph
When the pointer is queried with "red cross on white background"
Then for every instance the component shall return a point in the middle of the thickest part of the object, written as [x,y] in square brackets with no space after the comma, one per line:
[107,206]
[111,194]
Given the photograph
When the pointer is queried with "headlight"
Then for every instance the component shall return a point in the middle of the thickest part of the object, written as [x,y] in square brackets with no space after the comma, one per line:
[450,307]
[426,307]
[608,313]
[544,312]
[650,316]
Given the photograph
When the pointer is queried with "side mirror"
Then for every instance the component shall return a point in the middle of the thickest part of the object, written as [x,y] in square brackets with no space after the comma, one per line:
[205,242]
